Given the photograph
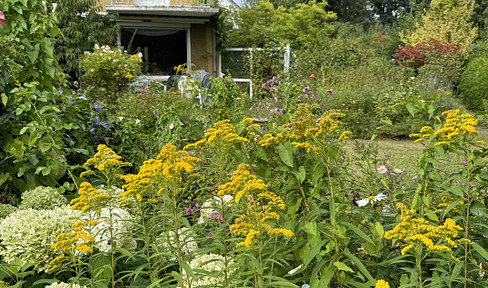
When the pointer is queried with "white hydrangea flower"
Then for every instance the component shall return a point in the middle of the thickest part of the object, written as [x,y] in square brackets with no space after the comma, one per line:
[122,228]
[187,241]
[211,206]
[372,199]
[213,264]
[42,198]
[64,285]
[28,235]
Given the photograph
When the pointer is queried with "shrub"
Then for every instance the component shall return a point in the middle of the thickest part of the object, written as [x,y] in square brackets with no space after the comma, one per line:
[473,86]
[107,71]
[42,198]
[64,285]
[28,235]
[6,209]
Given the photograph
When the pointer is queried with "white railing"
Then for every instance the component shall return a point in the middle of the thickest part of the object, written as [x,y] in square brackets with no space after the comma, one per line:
[163,2]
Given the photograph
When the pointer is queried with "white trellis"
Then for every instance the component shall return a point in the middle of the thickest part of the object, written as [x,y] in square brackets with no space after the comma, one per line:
[286,58]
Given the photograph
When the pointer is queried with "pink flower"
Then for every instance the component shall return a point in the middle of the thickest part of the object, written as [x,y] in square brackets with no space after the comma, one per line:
[412,78]
[2,18]
[306,89]
[353,102]
[330,92]
[398,171]
[311,75]
[382,169]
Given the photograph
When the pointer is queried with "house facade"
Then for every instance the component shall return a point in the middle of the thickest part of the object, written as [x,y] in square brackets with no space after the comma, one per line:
[168,33]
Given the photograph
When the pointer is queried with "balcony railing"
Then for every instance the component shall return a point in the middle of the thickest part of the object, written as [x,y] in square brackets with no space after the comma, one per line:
[164,2]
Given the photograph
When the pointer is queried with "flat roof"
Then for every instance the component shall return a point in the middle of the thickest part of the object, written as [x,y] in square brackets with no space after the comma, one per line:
[177,11]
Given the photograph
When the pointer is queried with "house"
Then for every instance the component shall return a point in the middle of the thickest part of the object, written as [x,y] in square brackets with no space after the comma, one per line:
[168,33]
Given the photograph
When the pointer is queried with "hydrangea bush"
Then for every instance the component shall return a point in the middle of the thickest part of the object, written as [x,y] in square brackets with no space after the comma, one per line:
[42,198]
[106,71]
[6,209]
[28,235]
[64,285]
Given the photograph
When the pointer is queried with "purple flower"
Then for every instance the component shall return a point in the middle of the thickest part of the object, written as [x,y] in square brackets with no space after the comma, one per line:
[465,161]
[265,85]
[313,96]
[155,111]
[306,89]
[188,210]
[276,99]
[105,125]
[214,214]
[95,121]
[275,78]
[114,122]
[278,110]
[103,107]
[210,234]
[415,177]
[97,107]
[197,206]
[251,107]
[330,92]
[92,131]
[259,106]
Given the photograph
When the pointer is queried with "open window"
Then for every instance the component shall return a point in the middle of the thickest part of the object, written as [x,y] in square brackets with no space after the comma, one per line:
[162,49]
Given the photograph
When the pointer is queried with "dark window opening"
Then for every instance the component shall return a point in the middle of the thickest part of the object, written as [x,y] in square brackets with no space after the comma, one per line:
[161,49]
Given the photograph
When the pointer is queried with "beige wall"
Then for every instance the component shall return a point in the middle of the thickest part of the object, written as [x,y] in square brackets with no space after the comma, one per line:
[201,47]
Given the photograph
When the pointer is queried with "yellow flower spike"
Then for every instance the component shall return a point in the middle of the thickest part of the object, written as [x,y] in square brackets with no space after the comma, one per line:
[345,135]
[247,188]
[105,159]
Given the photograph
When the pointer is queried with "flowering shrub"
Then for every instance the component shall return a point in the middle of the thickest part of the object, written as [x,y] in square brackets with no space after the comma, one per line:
[42,198]
[187,240]
[64,285]
[119,231]
[6,209]
[107,70]
[28,234]
[208,270]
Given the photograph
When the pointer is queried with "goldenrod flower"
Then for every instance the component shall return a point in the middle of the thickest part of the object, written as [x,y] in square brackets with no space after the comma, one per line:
[259,202]
[382,284]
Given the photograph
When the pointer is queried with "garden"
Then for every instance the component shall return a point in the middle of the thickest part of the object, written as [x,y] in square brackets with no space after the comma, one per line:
[363,164]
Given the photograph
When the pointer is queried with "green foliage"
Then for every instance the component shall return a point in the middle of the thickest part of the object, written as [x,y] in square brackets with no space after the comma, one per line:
[299,25]
[6,209]
[42,198]
[473,85]
[106,72]
[440,22]
[81,28]
[35,127]
[225,99]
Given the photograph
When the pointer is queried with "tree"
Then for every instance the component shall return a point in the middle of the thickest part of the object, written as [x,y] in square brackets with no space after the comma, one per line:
[299,25]
[81,28]
[447,22]
[352,11]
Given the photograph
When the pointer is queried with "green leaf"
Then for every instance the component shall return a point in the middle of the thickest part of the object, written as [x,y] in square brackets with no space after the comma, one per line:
[358,264]
[411,109]
[4,99]
[286,153]
[358,231]
[480,250]
[343,267]
[3,177]
[301,174]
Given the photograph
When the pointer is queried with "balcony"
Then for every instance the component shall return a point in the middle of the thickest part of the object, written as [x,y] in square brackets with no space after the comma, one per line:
[158,3]
[168,8]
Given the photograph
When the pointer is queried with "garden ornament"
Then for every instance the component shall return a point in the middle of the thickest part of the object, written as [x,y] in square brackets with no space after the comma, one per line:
[2,18]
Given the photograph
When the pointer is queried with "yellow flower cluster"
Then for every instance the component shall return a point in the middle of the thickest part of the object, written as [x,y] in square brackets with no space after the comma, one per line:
[259,206]
[268,139]
[305,126]
[382,284]
[89,198]
[128,76]
[223,133]
[417,231]
[104,160]
[75,242]
[168,167]
[447,198]
[456,126]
